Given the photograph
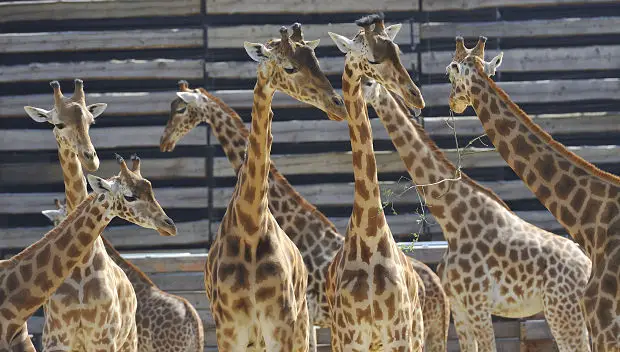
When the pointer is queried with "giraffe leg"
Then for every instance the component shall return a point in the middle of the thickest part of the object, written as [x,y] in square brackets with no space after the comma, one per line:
[312,311]
[304,330]
[567,323]
[467,342]
[483,329]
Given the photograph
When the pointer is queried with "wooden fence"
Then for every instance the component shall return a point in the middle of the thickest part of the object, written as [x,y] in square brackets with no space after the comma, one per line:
[561,64]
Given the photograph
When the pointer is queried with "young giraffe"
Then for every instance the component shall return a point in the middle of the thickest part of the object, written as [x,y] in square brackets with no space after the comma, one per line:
[165,322]
[314,235]
[496,263]
[583,198]
[97,289]
[28,279]
[372,286]
[255,277]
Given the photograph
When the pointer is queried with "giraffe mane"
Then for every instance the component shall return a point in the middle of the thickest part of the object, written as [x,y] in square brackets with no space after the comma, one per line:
[441,156]
[542,134]
[53,232]
[112,252]
[227,109]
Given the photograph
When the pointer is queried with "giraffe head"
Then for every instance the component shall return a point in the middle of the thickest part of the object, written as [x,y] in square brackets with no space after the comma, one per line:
[374,53]
[462,69]
[57,215]
[72,118]
[289,65]
[132,198]
[187,111]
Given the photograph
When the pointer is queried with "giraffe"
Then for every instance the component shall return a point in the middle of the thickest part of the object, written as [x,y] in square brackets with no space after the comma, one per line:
[314,235]
[255,277]
[496,263]
[165,322]
[28,279]
[372,286]
[97,288]
[583,198]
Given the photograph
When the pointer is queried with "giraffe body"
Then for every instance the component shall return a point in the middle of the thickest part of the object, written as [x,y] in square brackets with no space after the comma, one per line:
[255,277]
[34,274]
[164,322]
[372,286]
[584,199]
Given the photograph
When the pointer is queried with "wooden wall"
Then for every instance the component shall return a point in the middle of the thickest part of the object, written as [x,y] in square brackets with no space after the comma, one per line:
[561,64]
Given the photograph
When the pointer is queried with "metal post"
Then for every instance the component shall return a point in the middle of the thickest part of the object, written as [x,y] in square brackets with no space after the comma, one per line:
[210,182]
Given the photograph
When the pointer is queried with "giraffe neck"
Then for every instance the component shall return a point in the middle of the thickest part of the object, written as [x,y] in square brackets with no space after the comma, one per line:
[73,177]
[76,192]
[250,199]
[228,128]
[573,190]
[44,265]
[139,280]
[425,162]
[368,214]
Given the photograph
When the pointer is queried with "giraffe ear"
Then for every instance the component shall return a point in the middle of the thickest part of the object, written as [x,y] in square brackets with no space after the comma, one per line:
[258,52]
[393,30]
[97,109]
[313,43]
[99,185]
[491,66]
[39,115]
[343,43]
[188,97]
[53,215]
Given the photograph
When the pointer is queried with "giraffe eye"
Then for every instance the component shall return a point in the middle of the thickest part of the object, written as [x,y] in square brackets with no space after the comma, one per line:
[60,126]
[290,70]
[373,62]
[130,198]
[182,110]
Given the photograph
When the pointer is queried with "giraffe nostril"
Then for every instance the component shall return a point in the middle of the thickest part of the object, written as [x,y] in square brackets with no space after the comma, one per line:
[88,156]
[169,222]
[338,101]
[413,91]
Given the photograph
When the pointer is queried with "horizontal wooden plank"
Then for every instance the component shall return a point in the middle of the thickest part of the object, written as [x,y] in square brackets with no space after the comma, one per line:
[298,164]
[233,37]
[570,90]
[85,9]
[137,39]
[321,195]
[247,69]
[151,103]
[600,57]
[195,232]
[531,28]
[297,131]
[222,7]
[442,5]
[105,70]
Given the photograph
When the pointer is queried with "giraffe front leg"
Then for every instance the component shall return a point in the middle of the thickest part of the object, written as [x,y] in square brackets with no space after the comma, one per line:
[312,312]
[567,323]
[482,325]
[304,330]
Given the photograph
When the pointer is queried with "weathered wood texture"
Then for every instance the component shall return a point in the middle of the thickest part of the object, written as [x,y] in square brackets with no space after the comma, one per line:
[85,9]
[438,5]
[514,29]
[299,6]
[138,39]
